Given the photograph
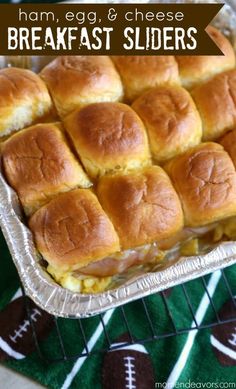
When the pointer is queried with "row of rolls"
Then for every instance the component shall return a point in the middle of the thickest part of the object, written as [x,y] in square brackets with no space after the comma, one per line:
[123,157]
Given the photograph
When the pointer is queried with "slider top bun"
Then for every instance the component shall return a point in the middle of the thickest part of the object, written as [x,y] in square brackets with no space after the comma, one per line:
[24,98]
[171,119]
[72,230]
[228,141]
[108,137]
[216,103]
[75,81]
[38,164]
[205,179]
[140,73]
[142,205]
[196,69]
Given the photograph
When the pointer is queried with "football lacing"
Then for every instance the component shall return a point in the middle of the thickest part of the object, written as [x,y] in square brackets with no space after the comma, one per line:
[233,340]
[24,327]
[129,373]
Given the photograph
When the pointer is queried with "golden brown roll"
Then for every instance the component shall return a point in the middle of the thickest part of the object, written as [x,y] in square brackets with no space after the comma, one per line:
[171,119]
[140,73]
[72,230]
[228,141]
[216,103]
[75,81]
[196,69]
[205,179]
[23,99]
[108,137]
[38,164]
[142,205]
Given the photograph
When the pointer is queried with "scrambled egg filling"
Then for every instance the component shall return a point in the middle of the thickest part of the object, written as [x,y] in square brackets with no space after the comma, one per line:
[79,283]
[225,229]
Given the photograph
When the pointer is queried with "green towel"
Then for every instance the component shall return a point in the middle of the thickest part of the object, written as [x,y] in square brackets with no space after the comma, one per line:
[195,359]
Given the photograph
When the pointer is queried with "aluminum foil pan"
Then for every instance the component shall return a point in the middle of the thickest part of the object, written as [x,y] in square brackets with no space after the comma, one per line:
[58,301]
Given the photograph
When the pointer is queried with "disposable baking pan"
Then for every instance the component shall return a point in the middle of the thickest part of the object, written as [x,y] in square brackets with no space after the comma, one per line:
[41,288]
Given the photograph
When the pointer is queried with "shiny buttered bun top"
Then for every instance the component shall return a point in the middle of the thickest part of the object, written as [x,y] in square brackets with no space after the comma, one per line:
[216,103]
[142,205]
[24,98]
[140,73]
[72,230]
[228,141]
[75,81]
[205,179]
[171,119]
[108,137]
[194,70]
[38,164]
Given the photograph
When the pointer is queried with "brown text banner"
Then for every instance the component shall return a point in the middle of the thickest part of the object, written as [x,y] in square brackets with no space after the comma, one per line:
[114,29]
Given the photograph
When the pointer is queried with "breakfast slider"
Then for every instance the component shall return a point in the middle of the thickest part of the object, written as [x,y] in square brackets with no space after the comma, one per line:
[108,137]
[75,81]
[38,164]
[228,141]
[194,70]
[140,73]
[142,205]
[216,103]
[171,120]
[205,180]
[24,98]
[71,232]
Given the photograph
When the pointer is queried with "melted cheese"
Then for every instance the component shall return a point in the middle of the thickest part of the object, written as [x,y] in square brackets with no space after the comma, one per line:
[189,248]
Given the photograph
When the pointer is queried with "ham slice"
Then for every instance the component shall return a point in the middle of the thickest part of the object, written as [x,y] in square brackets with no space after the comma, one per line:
[113,265]
[118,264]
